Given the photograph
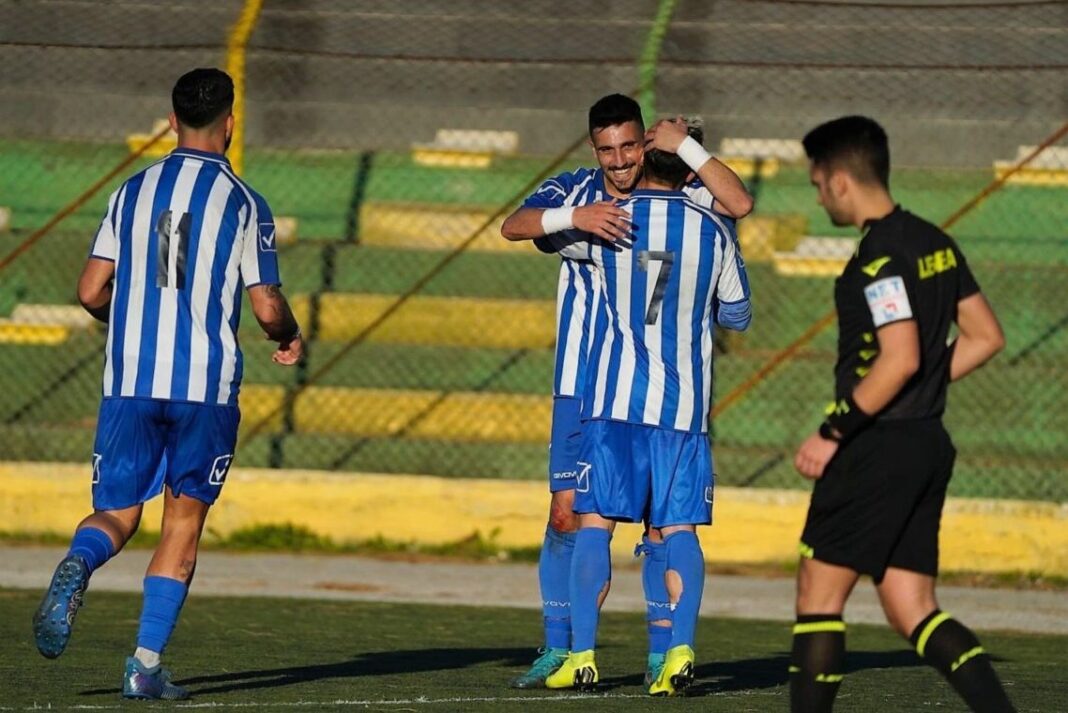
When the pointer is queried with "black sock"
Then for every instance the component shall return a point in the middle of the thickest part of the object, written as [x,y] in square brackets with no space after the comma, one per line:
[952,648]
[817,662]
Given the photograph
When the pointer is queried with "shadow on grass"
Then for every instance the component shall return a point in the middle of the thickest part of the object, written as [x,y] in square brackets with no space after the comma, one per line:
[382,663]
[768,672]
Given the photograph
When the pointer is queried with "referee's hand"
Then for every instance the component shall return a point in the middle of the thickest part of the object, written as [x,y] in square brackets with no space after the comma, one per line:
[604,219]
[814,455]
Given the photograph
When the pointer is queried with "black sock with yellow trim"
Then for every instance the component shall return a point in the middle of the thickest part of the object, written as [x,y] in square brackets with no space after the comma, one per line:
[816,662]
[952,648]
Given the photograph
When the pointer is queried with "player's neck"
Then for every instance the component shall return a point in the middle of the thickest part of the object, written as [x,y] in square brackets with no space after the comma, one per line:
[649,184]
[872,205]
[202,141]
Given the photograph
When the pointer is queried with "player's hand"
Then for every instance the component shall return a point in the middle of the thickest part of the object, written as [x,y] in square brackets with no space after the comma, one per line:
[814,455]
[605,220]
[289,352]
[666,135]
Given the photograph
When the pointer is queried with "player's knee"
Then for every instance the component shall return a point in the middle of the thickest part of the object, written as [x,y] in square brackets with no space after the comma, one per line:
[562,518]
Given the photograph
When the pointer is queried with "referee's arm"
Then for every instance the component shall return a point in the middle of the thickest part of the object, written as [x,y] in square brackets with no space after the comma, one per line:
[898,360]
[980,336]
[94,287]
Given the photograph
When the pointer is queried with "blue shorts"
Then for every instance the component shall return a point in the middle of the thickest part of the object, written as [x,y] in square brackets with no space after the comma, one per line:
[632,472]
[564,443]
[143,444]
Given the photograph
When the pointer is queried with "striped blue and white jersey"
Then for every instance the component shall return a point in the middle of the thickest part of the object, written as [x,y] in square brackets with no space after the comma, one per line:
[578,285]
[186,235]
[650,360]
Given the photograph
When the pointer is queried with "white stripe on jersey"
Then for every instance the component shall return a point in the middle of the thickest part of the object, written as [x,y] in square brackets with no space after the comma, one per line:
[691,250]
[135,306]
[109,363]
[625,381]
[205,261]
[168,296]
[571,333]
[654,395]
[226,334]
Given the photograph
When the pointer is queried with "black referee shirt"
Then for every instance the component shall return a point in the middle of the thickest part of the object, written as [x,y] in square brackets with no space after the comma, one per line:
[904,268]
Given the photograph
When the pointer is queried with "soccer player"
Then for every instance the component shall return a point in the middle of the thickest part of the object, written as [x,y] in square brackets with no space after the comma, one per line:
[177,243]
[586,199]
[882,459]
[644,450]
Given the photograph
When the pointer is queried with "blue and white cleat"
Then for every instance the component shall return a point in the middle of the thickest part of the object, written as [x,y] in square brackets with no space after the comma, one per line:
[654,664]
[54,618]
[152,684]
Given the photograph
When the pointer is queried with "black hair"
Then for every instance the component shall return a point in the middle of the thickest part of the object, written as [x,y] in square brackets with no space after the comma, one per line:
[855,144]
[613,110]
[665,167]
[201,96]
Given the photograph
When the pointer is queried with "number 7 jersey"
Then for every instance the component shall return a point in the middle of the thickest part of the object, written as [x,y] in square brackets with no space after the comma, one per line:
[650,360]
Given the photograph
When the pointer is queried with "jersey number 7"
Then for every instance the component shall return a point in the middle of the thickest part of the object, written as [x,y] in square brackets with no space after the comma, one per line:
[666,258]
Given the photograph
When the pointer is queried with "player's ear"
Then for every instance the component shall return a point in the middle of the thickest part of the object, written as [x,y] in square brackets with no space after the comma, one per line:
[838,183]
[173,119]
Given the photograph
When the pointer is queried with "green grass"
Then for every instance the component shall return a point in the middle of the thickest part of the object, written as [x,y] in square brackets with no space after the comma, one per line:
[322,655]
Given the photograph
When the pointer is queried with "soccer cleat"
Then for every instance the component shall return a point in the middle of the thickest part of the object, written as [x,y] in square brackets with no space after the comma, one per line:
[53,620]
[579,671]
[653,666]
[150,683]
[543,666]
[676,674]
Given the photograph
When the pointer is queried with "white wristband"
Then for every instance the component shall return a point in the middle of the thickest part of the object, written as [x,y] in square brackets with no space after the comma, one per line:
[693,153]
[555,220]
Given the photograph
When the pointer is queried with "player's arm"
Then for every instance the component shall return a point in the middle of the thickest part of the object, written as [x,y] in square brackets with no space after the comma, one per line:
[730,193]
[275,316]
[733,304]
[980,336]
[544,213]
[94,287]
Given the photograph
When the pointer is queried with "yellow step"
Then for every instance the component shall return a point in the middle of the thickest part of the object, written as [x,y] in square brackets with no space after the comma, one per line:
[440,321]
[761,236]
[381,413]
[1031,176]
[33,334]
[451,158]
[429,226]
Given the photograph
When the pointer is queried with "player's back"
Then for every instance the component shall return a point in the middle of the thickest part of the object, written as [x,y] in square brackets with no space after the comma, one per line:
[185,235]
[651,359]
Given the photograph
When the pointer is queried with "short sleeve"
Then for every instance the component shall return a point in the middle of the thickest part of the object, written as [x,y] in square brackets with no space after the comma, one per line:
[105,243]
[886,280]
[259,251]
[699,194]
[554,191]
[967,285]
[571,244]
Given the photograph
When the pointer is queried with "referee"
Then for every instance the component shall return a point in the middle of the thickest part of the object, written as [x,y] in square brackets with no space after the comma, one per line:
[882,459]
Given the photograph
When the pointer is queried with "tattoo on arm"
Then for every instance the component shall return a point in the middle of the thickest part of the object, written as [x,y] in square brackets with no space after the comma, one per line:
[278,320]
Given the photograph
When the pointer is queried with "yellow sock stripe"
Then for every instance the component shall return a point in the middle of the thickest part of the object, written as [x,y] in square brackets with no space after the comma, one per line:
[966,657]
[806,551]
[815,626]
[921,643]
[822,677]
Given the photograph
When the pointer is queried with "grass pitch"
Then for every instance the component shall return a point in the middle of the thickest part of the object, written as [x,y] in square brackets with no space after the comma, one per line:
[278,653]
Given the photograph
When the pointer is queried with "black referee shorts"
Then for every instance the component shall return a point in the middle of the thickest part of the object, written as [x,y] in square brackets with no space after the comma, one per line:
[879,503]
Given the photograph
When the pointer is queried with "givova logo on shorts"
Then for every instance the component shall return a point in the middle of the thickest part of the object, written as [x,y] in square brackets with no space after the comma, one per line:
[582,482]
[96,467]
[220,468]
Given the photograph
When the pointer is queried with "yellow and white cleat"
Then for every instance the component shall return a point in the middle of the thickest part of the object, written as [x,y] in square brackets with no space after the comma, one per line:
[677,673]
[579,671]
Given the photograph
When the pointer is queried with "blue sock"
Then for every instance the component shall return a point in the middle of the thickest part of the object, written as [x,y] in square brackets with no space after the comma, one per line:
[657,600]
[163,601]
[93,546]
[685,558]
[591,569]
[554,573]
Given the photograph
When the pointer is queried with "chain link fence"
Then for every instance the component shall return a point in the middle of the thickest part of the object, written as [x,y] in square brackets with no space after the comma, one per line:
[391,138]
